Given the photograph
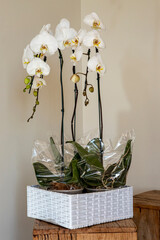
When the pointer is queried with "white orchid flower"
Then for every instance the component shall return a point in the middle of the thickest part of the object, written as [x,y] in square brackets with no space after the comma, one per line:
[64,34]
[93,21]
[77,55]
[38,82]
[44,43]
[93,39]
[27,56]
[38,67]
[95,64]
[78,39]
[47,28]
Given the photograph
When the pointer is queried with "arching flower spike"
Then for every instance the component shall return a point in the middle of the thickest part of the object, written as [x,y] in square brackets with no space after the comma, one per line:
[44,43]
[93,39]
[93,21]
[64,34]
[27,56]
[95,64]
[38,67]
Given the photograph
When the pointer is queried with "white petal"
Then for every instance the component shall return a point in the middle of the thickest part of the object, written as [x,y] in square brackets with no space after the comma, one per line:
[38,82]
[64,23]
[78,53]
[44,39]
[81,34]
[46,28]
[92,63]
[91,19]
[36,64]
[27,56]
[64,35]
[88,20]
[90,37]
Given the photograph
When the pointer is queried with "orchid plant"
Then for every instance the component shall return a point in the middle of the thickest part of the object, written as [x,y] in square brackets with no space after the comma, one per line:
[86,167]
[45,44]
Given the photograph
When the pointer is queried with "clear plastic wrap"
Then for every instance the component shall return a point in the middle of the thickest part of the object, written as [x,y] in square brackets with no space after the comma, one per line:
[95,164]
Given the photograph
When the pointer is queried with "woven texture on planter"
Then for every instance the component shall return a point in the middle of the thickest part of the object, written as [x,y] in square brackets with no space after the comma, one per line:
[79,210]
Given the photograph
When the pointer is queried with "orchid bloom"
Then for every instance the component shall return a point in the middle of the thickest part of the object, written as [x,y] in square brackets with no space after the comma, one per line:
[78,39]
[44,43]
[76,56]
[27,56]
[38,67]
[93,39]
[64,34]
[95,64]
[46,28]
[38,82]
[93,21]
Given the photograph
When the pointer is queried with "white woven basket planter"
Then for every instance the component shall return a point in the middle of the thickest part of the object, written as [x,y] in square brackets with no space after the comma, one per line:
[79,210]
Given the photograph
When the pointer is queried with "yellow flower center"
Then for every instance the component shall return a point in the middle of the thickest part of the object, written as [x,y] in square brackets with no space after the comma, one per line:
[44,48]
[75,41]
[67,43]
[39,84]
[39,72]
[99,68]
[26,61]
[96,42]
[96,24]
[73,57]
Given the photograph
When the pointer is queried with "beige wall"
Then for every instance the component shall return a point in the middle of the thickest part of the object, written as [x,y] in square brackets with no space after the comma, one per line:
[131,85]
[130,93]
[20,21]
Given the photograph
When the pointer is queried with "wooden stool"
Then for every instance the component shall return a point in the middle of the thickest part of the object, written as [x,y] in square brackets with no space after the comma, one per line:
[147,215]
[119,230]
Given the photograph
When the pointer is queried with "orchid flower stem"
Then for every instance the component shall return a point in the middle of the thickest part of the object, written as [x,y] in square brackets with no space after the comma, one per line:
[86,80]
[73,120]
[81,73]
[62,110]
[31,84]
[100,111]
[35,106]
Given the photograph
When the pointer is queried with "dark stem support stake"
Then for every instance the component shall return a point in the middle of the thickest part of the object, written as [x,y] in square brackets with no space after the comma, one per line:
[100,112]
[86,82]
[73,120]
[62,110]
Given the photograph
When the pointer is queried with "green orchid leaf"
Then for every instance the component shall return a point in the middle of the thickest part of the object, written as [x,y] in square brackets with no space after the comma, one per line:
[117,177]
[56,153]
[43,174]
[72,172]
[95,146]
[90,168]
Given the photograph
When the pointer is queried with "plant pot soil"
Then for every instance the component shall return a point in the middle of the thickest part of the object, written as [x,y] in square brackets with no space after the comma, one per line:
[65,188]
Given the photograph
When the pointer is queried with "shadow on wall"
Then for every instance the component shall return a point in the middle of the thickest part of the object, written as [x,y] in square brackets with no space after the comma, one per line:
[143,94]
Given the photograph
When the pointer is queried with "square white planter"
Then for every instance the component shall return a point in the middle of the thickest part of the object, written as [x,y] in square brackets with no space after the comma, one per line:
[79,210]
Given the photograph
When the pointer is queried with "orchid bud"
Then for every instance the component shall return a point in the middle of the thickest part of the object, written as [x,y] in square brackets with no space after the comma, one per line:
[28,86]
[86,102]
[35,93]
[26,80]
[75,78]
[91,89]
[84,93]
